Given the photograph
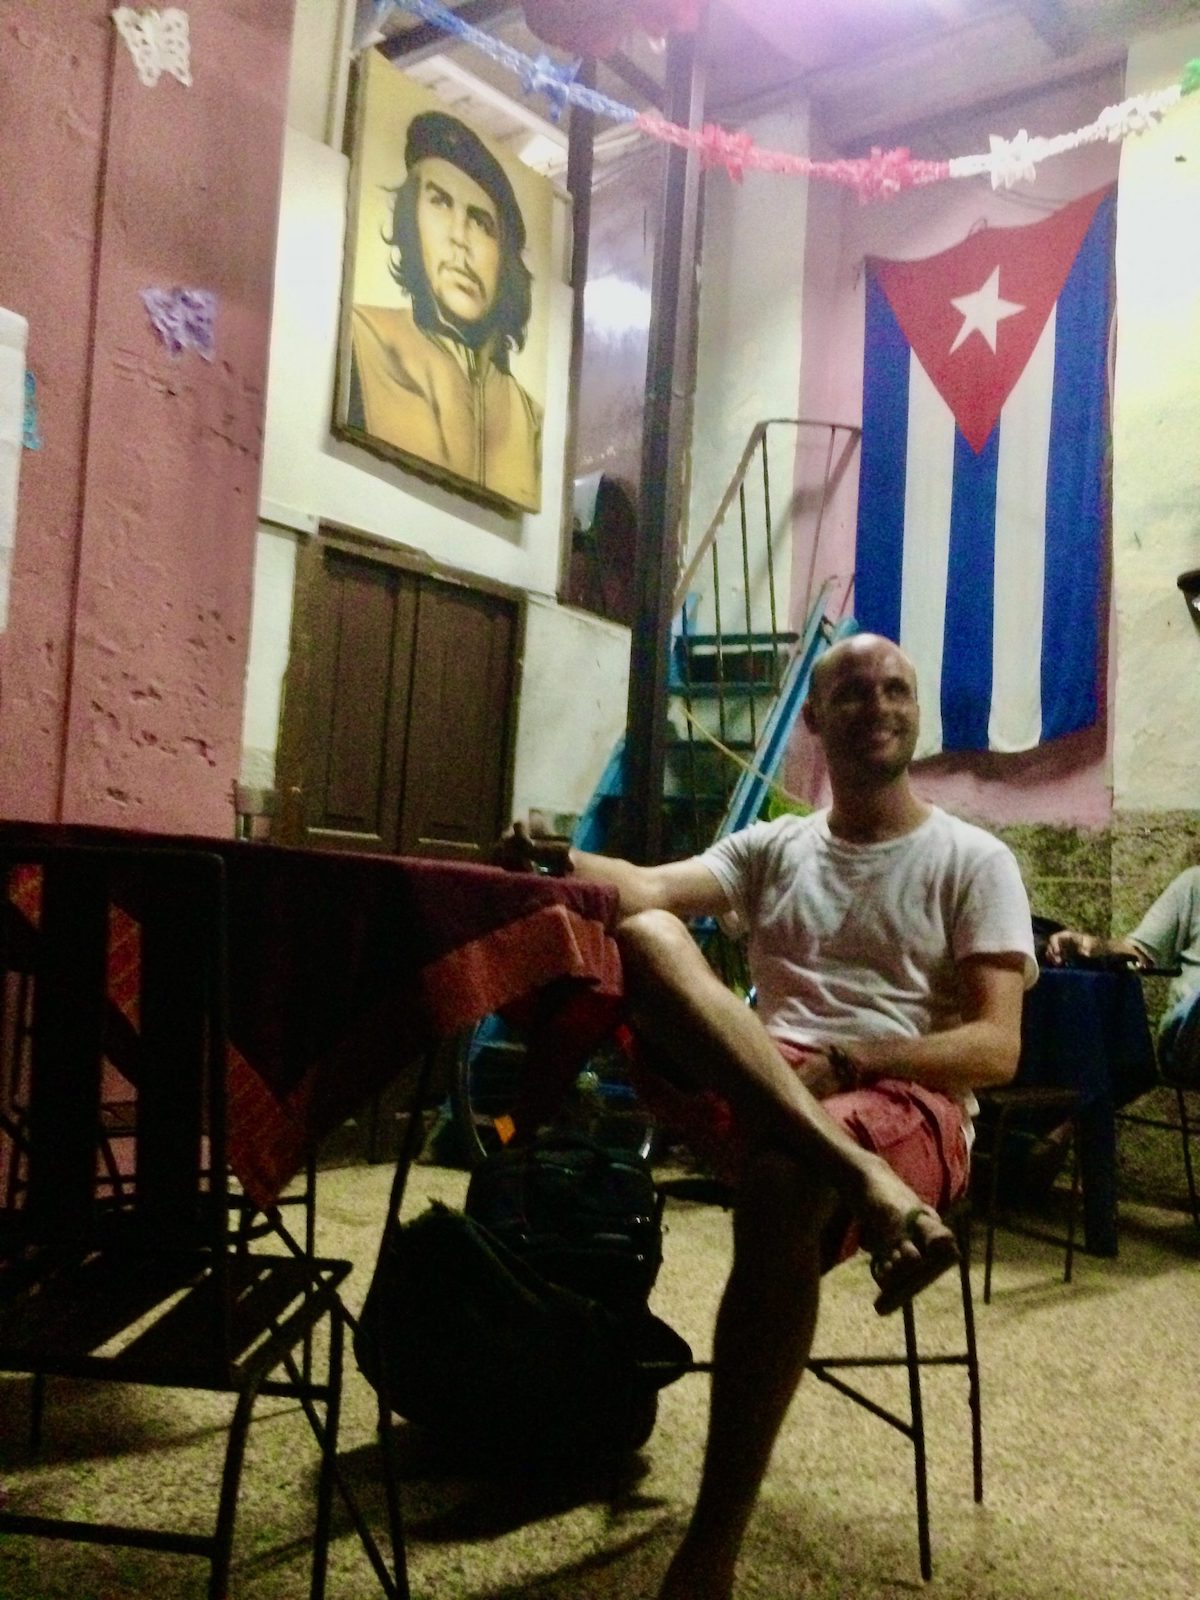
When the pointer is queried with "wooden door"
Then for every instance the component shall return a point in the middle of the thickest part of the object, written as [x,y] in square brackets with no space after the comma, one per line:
[397,711]
[345,722]
[454,781]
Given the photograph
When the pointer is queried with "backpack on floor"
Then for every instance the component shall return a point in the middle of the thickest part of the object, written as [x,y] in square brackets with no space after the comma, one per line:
[583,1216]
[460,1335]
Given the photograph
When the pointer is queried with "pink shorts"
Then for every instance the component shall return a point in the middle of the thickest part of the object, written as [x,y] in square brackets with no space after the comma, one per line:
[918,1132]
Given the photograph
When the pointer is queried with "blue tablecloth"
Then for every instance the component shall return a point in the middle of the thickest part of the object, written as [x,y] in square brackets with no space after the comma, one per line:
[1088,1031]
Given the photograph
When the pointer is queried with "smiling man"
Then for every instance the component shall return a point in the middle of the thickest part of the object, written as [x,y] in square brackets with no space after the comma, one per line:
[890,944]
[434,381]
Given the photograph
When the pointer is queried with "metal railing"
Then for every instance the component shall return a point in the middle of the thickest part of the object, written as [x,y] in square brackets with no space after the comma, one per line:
[736,669]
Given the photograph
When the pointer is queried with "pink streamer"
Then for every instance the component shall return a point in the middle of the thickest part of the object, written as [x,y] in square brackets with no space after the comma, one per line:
[879,176]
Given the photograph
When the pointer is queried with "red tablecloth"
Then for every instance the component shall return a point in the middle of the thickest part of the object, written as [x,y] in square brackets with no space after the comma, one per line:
[344,967]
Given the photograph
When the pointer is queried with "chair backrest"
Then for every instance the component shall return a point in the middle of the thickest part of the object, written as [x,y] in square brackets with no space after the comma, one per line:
[112,960]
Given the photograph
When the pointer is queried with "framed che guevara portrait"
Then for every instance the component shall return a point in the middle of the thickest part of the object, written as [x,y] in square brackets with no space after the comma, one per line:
[445,299]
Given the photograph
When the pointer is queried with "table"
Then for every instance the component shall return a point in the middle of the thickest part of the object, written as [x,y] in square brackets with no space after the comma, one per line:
[1088,1031]
[343,968]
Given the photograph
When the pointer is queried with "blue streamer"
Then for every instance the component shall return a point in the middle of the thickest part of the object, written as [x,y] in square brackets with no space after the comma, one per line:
[544,76]
[369,20]
[547,77]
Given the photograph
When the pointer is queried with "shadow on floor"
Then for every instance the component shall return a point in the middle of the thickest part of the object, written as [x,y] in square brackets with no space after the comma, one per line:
[450,1497]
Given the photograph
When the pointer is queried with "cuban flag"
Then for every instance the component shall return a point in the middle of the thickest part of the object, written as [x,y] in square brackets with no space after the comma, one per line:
[981,513]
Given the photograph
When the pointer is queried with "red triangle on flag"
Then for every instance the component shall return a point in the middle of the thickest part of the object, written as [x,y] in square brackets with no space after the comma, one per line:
[1006,281]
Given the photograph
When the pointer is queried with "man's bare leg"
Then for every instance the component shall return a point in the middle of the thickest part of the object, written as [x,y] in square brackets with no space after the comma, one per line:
[763,1338]
[681,1007]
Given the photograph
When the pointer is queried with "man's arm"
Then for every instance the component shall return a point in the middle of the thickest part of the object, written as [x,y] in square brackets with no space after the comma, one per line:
[1165,932]
[981,1052]
[686,888]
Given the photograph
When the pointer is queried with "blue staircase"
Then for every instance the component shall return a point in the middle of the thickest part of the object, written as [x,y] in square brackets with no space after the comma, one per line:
[765,757]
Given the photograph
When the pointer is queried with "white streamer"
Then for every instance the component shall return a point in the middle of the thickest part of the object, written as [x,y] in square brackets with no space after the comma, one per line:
[1016,160]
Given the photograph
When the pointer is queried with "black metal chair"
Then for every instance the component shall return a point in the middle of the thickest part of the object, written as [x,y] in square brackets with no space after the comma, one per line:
[1179,1069]
[1019,1111]
[122,1259]
[831,1370]
[1187,1126]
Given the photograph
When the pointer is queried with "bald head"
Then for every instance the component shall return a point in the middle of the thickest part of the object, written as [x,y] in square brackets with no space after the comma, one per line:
[862,706]
[858,648]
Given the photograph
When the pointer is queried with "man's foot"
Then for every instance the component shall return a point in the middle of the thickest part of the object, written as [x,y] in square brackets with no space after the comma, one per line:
[910,1245]
[912,1262]
[1045,1160]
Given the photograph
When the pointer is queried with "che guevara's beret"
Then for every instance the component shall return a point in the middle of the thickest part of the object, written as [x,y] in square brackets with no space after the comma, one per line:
[437,133]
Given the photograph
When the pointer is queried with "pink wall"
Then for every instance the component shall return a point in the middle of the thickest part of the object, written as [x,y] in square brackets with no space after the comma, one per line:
[1067,781]
[121,674]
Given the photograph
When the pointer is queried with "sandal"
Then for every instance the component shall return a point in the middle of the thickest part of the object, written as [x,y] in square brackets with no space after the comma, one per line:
[902,1278]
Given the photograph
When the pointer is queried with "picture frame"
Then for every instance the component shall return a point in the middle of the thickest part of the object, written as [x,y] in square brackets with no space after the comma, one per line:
[444,334]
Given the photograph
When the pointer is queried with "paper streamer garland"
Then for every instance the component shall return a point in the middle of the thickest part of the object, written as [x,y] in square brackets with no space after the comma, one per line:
[1016,160]
[880,175]
[544,74]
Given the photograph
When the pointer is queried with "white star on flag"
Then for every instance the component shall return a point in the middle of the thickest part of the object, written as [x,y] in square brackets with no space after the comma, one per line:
[982,311]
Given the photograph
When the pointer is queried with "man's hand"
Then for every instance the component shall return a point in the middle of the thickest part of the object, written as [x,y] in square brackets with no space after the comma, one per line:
[832,1070]
[1062,947]
[518,850]
[1069,943]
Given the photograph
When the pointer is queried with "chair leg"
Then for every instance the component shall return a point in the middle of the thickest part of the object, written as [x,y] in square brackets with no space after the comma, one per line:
[993,1202]
[974,1396]
[235,1450]
[369,1544]
[1073,1212]
[913,1363]
[310,1251]
[333,1409]
[392,1491]
[1185,1129]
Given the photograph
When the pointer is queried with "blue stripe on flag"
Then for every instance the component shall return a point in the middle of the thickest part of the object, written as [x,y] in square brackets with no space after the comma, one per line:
[1074,479]
[879,555]
[967,647]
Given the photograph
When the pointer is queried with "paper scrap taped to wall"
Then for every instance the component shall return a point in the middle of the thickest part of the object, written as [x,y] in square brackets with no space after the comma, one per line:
[14,331]
[184,319]
[32,439]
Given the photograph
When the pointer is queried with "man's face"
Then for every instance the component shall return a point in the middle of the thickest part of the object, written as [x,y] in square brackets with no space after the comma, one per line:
[459,231]
[865,713]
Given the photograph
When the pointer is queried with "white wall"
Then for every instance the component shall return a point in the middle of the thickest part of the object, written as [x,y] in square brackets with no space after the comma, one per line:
[748,354]
[572,708]
[270,629]
[1156,444]
[309,476]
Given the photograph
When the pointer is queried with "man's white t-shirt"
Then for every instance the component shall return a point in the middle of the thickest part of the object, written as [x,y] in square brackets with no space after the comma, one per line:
[856,941]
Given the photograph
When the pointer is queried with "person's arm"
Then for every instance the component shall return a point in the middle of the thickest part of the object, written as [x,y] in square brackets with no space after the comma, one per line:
[1164,933]
[980,1052]
[686,888]
[1069,942]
